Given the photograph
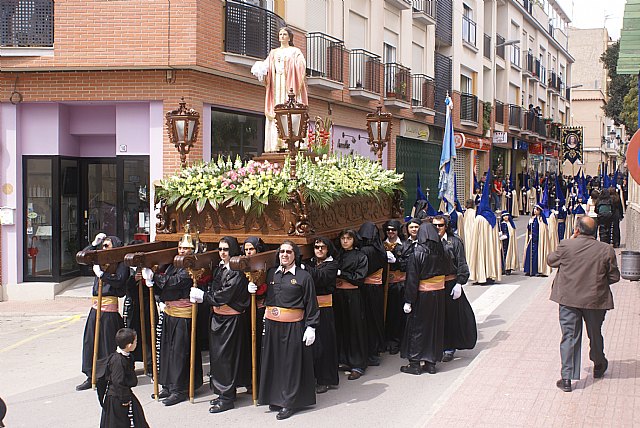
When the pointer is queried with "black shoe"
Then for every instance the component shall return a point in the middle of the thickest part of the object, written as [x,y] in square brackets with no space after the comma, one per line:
[285,413]
[321,389]
[274,408]
[564,384]
[411,368]
[84,385]
[221,406]
[164,393]
[599,369]
[373,361]
[429,368]
[354,375]
[508,272]
[174,398]
[447,356]
[214,401]
[393,351]
[343,368]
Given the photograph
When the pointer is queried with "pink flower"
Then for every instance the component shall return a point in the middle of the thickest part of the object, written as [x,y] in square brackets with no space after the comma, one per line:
[242,172]
[226,183]
[233,186]
[234,175]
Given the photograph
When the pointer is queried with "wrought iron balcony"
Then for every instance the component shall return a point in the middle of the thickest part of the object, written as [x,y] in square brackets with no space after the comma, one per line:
[487,46]
[397,85]
[425,11]
[250,30]
[500,46]
[325,61]
[365,69]
[515,117]
[468,108]
[423,94]
[541,127]
[26,24]
[528,69]
[499,116]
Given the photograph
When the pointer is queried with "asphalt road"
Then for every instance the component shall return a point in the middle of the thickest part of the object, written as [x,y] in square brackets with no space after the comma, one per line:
[40,366]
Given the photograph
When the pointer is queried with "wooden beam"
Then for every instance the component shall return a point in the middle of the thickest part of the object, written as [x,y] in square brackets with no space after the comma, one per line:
[116,255]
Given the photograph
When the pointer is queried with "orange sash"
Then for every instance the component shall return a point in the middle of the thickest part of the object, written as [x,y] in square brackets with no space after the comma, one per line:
[276,313]
[325,301]
[434,283]
[345,285]
[224,310]
[109,304]
[375,278]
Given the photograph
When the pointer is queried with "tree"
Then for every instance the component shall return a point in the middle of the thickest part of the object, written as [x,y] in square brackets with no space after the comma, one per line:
[618,85]
[629,113]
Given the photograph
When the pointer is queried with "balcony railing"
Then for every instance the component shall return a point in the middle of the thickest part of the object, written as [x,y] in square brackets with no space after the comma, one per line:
[423,91]
[515,55]
[528,6]
[468,107]
[428,7]
[528,63]
[487,46]
[500,46]
[468,30]
[529,121]
[536,68]
[397,81]
[365,69]
[515,116]
[325,56]
[555,82]
[250,30]
[499,112]
[26,24]
[541,127]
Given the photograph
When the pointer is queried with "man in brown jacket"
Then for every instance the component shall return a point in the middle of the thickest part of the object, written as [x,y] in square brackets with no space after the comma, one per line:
[586,268]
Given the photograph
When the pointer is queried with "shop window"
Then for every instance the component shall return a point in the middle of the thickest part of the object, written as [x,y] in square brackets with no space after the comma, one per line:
[236,134]
[69,235]
[39,205]
[135,196]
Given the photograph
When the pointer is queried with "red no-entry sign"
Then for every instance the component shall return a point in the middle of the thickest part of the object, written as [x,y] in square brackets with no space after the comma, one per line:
[633,157]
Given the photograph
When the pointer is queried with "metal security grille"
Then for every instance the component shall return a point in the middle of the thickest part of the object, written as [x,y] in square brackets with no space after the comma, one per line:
[26,23]
[417,156]
[460,169]
[250,30]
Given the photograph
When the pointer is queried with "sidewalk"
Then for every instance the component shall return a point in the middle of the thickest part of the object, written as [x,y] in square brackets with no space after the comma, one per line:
[56,307]
[514,383]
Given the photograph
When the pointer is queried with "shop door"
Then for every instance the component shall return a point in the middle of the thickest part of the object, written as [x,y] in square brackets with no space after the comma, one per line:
[100,198]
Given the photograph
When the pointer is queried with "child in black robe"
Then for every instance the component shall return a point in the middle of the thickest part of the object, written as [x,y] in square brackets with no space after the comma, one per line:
[116,377]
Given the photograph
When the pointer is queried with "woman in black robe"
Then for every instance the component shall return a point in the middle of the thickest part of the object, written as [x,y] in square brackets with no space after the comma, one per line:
[373,289]
[348,306]
[324,270]
[228,338]
[425,302]
[114,281]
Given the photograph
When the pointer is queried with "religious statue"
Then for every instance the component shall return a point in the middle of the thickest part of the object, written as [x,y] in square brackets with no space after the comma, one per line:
[284,69]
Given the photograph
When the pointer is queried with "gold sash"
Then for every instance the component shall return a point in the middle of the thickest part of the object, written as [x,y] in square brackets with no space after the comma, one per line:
[325,301]
[434,283]
[343,284]
[375,278]
[276,313]
[397,276]
[178,308]
[109,304]
[224,310]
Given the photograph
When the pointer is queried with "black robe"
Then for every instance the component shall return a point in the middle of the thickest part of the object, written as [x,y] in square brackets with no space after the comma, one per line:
[396,318]
[325,351]
[348,309]
[460,330]
[423,338]
[229,341]
[175,340]
[113,284]
[117,375]
[132,317]
[286,378]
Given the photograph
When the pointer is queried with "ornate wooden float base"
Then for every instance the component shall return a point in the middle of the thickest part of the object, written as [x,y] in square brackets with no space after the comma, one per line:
[297,220]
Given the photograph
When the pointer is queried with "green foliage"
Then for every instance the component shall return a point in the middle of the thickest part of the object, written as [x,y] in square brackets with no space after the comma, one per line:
[253,185]
[629,114]
[486,116]
[618,84]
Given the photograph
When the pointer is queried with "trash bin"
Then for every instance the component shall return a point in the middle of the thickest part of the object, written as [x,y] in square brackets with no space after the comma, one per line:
[630,265]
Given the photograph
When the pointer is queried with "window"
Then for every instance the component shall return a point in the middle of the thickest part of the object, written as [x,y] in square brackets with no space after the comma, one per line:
[466,84]
[234,133]
[39,222]
[515,55]
[468,26]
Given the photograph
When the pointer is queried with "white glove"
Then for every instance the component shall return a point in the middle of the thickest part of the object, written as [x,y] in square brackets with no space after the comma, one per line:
[196,295]
[406,308]
[503,236]
[252,288]
[98,239]
[339,272]
[260,69]
[147,274]
[309,336]
[390,257]
[98,271]
[457,291]
[302,266]
[531,220]
[161,306]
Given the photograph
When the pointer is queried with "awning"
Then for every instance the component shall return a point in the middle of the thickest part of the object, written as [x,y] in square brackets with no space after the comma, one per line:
[629,58]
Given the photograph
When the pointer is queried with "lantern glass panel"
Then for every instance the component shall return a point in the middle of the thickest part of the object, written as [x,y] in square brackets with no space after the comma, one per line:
[179,123]
[192,126]
[384,126]
[284,125]
[295,124]
[374,130]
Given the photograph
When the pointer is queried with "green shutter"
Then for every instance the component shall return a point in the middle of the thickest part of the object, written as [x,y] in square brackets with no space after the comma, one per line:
[418,156]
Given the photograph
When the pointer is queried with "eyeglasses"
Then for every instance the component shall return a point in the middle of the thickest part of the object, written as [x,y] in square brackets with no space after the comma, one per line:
[439,225]
[319,247]
[286,251]
[106,246]
[391,229]
[223,248]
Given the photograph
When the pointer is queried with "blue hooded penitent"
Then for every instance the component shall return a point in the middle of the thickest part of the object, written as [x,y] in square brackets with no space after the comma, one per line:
[484,209]
[476,185]
[507,213]
[559,195]
[419,194]
[536,186]
[544,202]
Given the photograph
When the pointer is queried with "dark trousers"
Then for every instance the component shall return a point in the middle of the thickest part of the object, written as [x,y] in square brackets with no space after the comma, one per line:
[570,346]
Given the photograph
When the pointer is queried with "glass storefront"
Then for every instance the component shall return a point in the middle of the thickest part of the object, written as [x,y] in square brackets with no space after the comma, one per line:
[234,133]
[39,217]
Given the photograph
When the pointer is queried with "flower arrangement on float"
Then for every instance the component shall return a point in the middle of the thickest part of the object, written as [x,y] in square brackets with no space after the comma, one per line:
[253,185]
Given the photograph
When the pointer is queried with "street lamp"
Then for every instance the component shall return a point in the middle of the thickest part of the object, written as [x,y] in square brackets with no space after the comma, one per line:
[182,126]
[292,119]
[379,128]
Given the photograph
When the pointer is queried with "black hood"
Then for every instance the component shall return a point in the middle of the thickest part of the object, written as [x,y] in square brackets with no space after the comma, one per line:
[428,232]
[117,242]
[256,242]
[370,235]
[234,247]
